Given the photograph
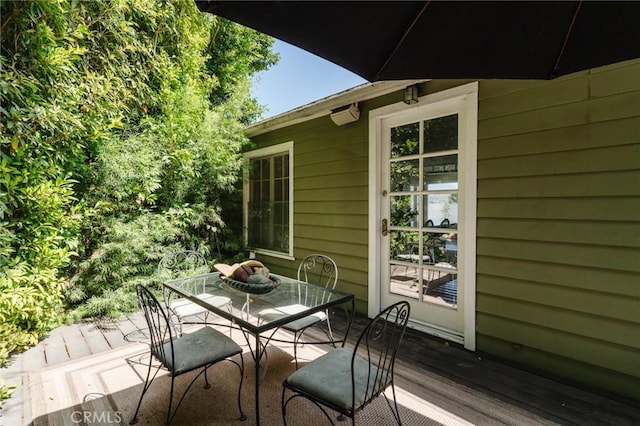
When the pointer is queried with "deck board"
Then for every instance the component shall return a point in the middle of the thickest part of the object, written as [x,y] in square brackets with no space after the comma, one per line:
[74,341]
[94,338]
[437,371]
[55,351]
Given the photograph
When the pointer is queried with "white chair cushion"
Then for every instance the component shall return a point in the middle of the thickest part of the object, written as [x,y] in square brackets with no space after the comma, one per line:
[186,308]
[273,314]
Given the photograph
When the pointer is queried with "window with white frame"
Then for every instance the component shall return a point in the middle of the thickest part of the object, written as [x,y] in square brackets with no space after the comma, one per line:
[268,204]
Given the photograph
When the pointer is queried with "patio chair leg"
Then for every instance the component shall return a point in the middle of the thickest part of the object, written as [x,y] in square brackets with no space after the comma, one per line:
[396,414]
[169,416]
[145,387]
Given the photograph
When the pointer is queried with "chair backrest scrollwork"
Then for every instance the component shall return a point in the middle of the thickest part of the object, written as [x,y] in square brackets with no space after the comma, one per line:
[160,331]
[179,264]
[378,344]
[318,269]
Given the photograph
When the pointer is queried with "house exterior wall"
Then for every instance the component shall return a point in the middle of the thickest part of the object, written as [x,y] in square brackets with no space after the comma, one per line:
[558,222]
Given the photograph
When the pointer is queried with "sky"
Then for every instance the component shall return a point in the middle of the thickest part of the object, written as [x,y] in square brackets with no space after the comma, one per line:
[298,79]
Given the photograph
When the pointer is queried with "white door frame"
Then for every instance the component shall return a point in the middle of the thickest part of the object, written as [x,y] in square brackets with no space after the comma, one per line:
[468,92]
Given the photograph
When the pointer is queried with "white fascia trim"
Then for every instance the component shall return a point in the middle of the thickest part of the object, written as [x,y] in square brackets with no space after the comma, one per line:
[324,106]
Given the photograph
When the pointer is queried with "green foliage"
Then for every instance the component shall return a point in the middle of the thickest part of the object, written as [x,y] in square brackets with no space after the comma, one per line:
[30,305]
[235,52]
[5,390]
[119,140]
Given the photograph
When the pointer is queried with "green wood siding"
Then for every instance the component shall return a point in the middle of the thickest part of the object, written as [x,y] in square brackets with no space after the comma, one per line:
[558,218]
[330,198]
[558,256]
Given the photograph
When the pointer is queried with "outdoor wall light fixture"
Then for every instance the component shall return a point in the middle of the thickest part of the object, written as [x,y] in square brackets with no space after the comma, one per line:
[411,94]
[346,115]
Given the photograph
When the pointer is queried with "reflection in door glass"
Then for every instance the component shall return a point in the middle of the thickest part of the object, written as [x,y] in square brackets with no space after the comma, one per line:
[404,210]
[441,134]
[440,210]
[440,286]
[405,246]
[405,140]
[403,281]
[405,175]
[440,172]
[441,249]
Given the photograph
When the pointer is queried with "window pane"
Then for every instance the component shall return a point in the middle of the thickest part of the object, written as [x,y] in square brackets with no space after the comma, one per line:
[405,175]
[440,210]
[442,249]
[440,173]
[268,218]
[440,287]
[254,169]
[277,188]
[405,246]
[285,190]
[405,140]
[254,191]
[441,133]
[404,210]
[265,169]
[403,280]
[286,166]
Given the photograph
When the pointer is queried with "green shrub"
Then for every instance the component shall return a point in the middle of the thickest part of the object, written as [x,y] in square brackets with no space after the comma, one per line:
[30,306]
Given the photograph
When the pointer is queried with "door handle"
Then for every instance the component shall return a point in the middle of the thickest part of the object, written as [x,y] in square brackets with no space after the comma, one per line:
[385,227]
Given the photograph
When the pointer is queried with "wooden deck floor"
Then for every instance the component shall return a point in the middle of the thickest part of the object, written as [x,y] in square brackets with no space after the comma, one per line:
[445,364]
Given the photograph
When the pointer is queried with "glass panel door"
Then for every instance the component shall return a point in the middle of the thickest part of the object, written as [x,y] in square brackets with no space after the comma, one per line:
[423,206]
[421,158]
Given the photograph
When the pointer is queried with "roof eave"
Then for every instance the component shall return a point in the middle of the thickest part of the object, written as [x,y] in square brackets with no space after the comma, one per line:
[326,105]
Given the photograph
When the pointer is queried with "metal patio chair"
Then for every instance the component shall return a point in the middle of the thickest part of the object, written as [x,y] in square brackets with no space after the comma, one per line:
[316,269]
[200,349]
[348,380]
[183,264]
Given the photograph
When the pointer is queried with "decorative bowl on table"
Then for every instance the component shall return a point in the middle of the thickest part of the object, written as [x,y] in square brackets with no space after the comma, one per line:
[254,288]
[250,276]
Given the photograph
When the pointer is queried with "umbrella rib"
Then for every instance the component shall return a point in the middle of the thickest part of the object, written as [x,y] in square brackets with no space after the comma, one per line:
[413,23]
[566,40]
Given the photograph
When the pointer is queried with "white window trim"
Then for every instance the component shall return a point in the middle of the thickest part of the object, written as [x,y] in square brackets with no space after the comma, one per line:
[264,152]
[469,94]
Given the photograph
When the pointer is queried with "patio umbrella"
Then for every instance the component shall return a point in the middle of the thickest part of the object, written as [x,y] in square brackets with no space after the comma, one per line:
[391,40]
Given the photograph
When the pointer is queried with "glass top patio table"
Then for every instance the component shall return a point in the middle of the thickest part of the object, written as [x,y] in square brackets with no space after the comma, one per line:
[246,307]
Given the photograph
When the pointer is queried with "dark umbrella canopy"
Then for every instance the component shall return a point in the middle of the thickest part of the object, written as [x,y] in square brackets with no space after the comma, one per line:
[392,40]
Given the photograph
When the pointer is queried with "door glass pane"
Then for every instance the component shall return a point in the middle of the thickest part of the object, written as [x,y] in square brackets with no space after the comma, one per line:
[405,140]
[405,246]
[403,280]
[441,134]
[440,210]
[405,175]
[441,249]
[404,210]
[440,172]
[440,286]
